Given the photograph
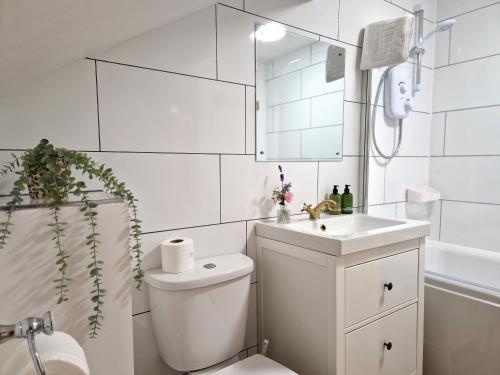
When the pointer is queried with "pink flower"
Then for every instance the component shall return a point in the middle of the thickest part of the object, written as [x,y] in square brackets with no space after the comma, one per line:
[289,197]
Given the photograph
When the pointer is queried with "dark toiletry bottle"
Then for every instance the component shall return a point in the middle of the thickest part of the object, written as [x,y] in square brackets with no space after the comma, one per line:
[347,201]
[335,196]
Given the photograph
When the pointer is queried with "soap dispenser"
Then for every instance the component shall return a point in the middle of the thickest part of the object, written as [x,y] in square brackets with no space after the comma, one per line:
[335,196]
[347,201]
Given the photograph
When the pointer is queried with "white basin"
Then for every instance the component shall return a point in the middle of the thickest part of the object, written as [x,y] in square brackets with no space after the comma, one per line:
[345,225]
[343,234]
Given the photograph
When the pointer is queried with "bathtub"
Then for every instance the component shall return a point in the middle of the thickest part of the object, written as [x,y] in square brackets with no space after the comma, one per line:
[462,310]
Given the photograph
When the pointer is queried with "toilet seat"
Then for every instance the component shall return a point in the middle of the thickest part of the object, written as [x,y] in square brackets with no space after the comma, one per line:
[256,365]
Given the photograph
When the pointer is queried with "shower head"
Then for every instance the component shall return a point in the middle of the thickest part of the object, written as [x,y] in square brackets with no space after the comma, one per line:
[440,27]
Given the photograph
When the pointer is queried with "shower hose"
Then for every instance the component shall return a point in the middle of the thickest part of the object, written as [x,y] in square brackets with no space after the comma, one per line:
[374,121]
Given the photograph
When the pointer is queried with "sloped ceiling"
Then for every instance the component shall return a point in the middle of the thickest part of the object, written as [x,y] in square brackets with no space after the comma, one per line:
[38,36]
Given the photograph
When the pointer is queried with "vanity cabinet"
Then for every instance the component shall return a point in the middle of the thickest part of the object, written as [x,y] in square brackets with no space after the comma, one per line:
[359,313]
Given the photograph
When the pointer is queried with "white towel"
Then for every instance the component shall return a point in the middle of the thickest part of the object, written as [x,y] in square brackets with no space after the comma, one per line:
[387,42]
[60,354]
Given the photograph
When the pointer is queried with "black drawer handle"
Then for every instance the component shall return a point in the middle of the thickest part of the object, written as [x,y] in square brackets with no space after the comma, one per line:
[388,286]
[388,345]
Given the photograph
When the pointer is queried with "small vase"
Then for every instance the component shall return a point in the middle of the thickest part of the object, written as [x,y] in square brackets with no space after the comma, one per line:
[283,214]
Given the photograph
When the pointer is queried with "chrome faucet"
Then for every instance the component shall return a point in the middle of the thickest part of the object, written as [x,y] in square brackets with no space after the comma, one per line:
[28,328]
[315,213]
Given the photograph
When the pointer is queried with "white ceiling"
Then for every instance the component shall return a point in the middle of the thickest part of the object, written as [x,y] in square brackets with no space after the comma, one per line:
[37,36]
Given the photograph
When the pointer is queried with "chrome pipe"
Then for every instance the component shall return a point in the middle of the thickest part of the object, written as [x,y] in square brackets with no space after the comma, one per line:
[27,329]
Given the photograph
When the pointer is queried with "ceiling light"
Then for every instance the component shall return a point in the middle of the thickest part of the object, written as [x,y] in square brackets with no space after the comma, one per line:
[270,32]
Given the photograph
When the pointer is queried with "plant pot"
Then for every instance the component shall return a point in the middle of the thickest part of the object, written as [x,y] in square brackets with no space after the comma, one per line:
[283,214]
[37,190]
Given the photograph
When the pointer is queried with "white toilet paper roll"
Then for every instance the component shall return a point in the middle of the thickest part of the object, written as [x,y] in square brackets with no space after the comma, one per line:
[60,353]
[177,255]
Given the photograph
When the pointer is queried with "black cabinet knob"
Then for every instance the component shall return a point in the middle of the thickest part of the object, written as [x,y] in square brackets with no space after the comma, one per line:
[388,286]
[388,345]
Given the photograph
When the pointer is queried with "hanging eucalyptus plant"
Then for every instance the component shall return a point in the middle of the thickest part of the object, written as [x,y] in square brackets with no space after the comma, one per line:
[46,172]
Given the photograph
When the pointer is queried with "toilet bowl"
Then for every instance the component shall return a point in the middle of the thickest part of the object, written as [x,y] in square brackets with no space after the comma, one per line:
[199,317]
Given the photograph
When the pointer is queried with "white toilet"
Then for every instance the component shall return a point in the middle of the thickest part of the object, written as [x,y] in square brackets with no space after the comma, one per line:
[199,317]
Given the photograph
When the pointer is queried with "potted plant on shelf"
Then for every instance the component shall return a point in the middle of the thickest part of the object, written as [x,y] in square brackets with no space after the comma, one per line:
[47,173]
[281,196]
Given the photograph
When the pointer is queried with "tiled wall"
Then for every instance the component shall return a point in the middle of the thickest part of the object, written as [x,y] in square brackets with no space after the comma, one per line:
[304,114]
[172,112]
[465,145]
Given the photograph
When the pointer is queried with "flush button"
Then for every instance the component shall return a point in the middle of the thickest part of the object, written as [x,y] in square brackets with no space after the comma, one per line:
[209,266]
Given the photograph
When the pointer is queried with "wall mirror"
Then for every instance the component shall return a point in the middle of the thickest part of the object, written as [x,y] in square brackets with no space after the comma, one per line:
[299,96]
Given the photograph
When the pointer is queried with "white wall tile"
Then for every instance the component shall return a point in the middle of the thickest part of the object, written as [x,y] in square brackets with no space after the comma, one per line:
[356,14]
[383,210]
[60,106]
[437,134]
[177,47]
[322,143]
[352,128]
[452,85]
[476,34]
[473,178]
[294,115]
[451,8]
[442,48]
[340,173]
[233,3]
[147,360]
[473,132]
[319,51]
[283,89]
[429,211]
[283,65]
[174,191]
[471,224]
[314,82]
[376,185]
[247,186]
[429,7]
[435,219]
[327,109]
[168,112]
[235,45]
[317,16]
[402,173]
[250,120]
[211,240]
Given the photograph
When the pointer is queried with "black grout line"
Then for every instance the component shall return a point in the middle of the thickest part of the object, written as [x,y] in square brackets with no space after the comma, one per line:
[469,11]
[220,188]
[141,313]
[290,26]
[97,104]
[338,21]
[467,61]
[468,108]
[444,135]
[216,45]
[466,156]
[471,202]
[440,218]
[245,148]
[169,72]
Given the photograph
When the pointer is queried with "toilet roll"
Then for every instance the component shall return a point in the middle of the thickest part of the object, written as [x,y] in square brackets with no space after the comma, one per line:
[60,353]
[177,255]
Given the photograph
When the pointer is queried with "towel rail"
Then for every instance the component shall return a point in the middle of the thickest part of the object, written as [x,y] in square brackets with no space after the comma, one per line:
[28,328]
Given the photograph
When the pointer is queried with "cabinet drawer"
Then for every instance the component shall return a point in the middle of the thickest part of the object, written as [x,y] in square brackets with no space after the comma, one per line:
[367,354]
[379,285]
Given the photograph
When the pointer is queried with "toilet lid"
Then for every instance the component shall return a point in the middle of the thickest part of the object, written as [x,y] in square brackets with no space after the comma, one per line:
[256,365]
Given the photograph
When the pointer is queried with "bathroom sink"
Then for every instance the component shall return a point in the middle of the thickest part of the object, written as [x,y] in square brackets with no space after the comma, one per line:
[343,234]
[346,225]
